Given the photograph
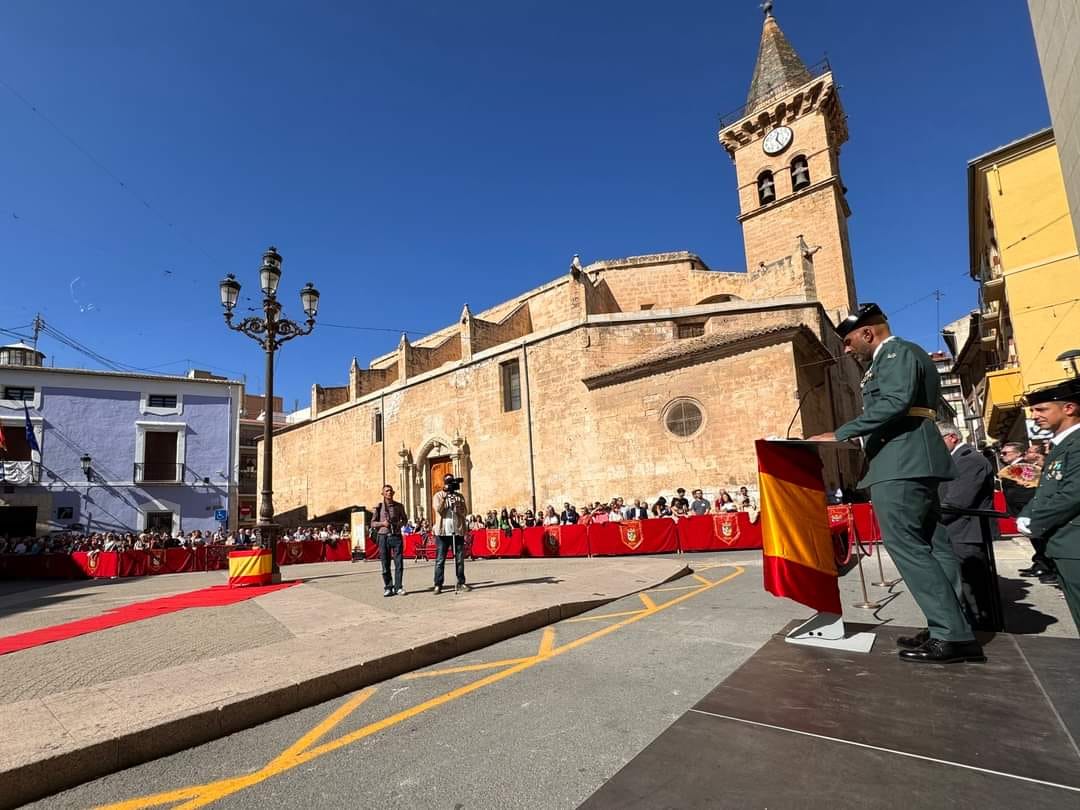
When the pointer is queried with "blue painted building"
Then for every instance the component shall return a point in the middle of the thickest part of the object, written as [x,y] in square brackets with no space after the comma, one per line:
[117,451]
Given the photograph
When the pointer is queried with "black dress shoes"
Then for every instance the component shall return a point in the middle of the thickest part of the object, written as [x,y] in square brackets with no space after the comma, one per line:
[936,651]
[915,641]
[1034,571]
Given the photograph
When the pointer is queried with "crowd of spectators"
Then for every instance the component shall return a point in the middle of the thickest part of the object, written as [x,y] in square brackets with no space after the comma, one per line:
[618,509]
[68,542]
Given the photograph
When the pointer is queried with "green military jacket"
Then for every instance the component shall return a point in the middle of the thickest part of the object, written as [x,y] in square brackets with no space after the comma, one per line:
[1055,510]
[898,445]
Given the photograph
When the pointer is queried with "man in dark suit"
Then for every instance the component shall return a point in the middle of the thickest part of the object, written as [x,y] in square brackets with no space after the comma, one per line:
[1054,513]
[972,488]
[906,461]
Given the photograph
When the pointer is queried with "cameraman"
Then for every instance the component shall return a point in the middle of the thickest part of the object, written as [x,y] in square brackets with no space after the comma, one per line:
[450,529]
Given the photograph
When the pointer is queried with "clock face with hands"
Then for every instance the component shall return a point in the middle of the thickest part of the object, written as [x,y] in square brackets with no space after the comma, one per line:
[777,141]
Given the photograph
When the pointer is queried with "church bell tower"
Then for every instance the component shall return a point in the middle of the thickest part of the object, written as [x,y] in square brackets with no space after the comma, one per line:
[785,143]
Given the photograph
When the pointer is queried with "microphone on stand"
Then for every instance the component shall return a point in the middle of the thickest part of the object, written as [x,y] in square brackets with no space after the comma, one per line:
[809,391]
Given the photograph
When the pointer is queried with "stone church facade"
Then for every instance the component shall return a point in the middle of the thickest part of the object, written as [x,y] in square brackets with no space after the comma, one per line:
[625,377]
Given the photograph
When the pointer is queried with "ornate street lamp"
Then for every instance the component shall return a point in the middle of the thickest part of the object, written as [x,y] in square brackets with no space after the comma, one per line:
[84,460]
[270,331]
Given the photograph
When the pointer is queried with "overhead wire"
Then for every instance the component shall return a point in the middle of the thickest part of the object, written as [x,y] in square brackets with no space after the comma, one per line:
[101,166]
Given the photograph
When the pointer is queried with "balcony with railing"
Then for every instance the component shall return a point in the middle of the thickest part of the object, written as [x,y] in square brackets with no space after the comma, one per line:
[158,472]
[20,473]
[1001,406]
[774,94]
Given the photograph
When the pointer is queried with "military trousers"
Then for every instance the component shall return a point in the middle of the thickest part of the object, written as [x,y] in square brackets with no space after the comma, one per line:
[1068,572]
[908,511]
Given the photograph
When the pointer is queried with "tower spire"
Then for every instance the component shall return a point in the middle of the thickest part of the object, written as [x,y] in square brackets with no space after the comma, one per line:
[778,68]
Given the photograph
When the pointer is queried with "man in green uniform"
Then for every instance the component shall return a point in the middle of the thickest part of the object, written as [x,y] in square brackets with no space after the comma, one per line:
[1054,513]
[907,461]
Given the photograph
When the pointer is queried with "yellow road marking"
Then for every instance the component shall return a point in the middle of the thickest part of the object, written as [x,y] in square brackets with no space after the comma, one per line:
[602,616]
[299,752]
[466,668]
[289,758]
[700,579]
[649,603]
[679,588]
[547,642]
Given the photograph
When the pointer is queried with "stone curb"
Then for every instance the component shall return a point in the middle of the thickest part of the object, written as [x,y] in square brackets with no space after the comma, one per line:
[45,777]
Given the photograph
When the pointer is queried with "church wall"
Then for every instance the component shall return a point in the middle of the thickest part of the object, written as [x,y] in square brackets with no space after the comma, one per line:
[329,463]
[626,450]
[669,285]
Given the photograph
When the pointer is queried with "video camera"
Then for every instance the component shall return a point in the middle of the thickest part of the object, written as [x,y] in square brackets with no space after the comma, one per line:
[452,484]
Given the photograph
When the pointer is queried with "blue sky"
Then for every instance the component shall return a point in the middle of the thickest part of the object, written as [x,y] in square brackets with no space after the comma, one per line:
[408,157]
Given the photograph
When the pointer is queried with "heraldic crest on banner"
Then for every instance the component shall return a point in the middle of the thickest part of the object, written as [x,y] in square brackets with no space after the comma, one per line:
[726,527]
[493,540]
[630,533]
[552,536]
[92,559]
[295,551]
[155,559]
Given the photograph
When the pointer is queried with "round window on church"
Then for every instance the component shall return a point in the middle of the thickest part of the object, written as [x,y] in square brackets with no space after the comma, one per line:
[683,418]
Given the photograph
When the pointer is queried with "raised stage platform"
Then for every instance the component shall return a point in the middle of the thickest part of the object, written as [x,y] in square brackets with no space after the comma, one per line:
[801,728]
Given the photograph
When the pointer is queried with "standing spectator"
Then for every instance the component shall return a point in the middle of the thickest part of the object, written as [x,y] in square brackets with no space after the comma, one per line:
[550,518]
[725,503]
[1019,478]
[699,506]
[388,519]
[450,508]
[660,508]
[679,501]
[569,515]
[746,503]
[973,488]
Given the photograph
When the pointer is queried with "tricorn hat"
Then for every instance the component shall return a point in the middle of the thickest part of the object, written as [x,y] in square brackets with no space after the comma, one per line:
[860,317]
[1068,391]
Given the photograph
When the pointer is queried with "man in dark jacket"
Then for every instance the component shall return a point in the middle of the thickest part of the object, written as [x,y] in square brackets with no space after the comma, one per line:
[973,488]
[387,521]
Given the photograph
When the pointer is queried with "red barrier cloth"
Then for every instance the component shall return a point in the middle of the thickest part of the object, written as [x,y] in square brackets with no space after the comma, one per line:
[300,551]
[98,564]
[556,541]
[410,543]
[216,596]
[39,566]
[497,542]
[718,532]
[341,551]
[371,549]
[1005,525]
[654,536]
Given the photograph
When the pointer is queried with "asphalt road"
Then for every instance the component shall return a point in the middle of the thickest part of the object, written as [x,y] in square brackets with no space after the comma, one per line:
[539,721]
[542,732]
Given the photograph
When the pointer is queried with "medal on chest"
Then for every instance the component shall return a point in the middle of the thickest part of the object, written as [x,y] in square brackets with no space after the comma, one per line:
[1053,471]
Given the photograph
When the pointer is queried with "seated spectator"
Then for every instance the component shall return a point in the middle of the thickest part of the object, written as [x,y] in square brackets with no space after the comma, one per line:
[680,500]
[725,503]
[699,506]
[660,508]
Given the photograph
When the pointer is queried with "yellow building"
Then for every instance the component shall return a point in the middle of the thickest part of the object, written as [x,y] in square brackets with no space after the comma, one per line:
[1024,256]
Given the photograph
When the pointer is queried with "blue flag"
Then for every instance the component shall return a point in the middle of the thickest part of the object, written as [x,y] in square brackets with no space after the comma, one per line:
[31,438]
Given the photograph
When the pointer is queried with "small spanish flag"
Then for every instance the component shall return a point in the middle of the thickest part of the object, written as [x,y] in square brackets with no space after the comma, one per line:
[797,548]
[254,567]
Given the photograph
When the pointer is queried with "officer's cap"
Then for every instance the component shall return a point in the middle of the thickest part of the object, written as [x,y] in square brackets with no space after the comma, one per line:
[1068,391]
[860,317]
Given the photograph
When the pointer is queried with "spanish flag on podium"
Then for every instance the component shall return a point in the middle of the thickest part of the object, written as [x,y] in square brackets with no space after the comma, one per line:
[247,568]
[797,549]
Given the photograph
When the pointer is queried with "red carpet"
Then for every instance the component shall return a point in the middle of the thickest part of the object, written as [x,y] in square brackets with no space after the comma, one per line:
[216,596]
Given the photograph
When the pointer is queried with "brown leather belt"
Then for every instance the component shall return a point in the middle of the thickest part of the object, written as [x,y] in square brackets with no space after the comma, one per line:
[922,413]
